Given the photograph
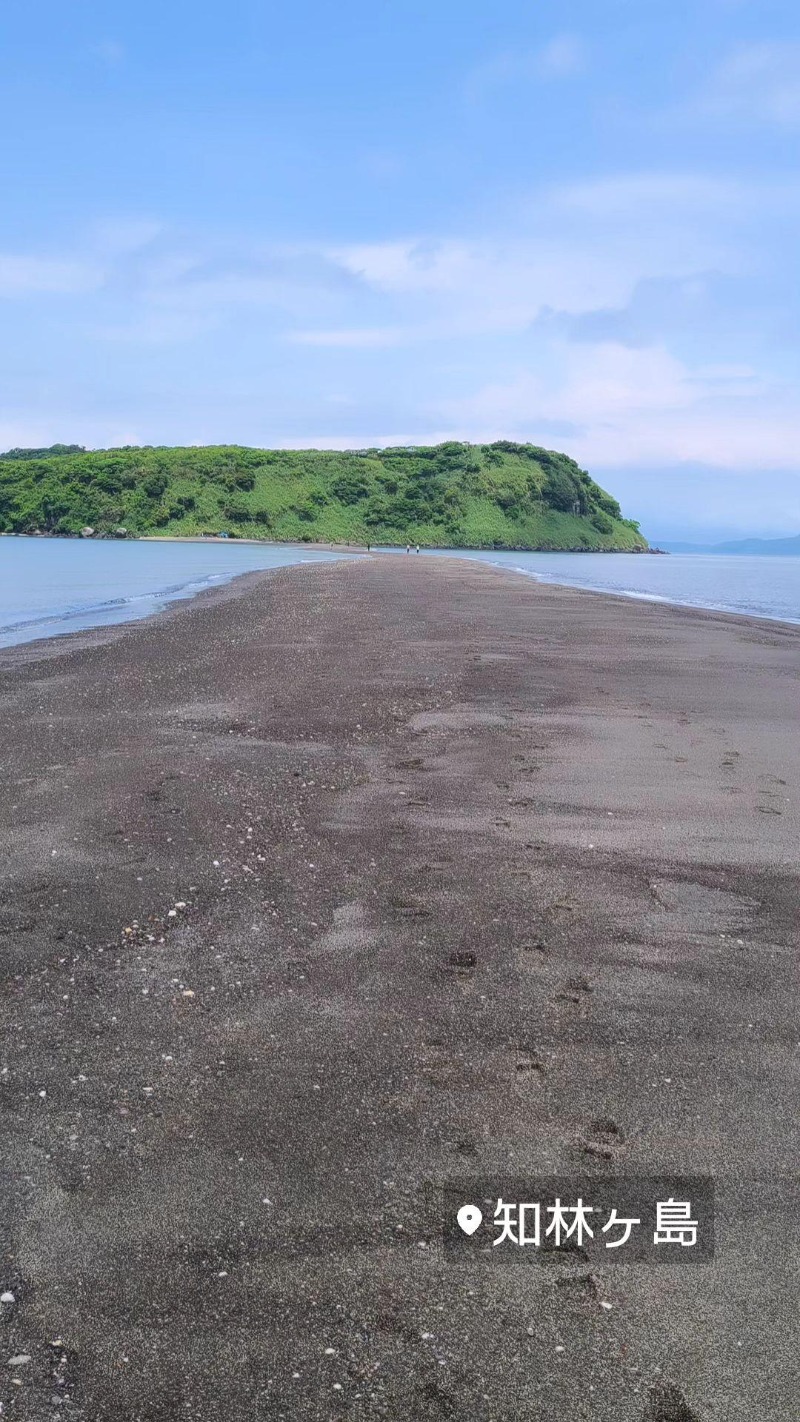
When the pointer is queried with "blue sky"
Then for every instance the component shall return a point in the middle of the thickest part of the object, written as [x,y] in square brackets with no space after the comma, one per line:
[370,223]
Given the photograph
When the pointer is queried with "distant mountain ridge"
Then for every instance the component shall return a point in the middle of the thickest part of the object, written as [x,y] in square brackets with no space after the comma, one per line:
[777,547]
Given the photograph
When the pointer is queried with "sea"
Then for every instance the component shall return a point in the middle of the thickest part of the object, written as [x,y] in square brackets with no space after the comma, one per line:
[50,586]
[757,586]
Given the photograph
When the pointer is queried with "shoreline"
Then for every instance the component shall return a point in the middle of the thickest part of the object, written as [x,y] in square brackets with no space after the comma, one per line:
[243,844]
[633,596]
[239,582]
[171,596]
[162,600]
[312,543]
[86,637]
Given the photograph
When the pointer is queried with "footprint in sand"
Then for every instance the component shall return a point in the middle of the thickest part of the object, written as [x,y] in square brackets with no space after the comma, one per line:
[767,807]
[603,1139]
[462,961]
[575,989]
[535,946]
[467,1146]
[585,1287]
[580,983]
[527,1066]
[668,1404]
[409,908]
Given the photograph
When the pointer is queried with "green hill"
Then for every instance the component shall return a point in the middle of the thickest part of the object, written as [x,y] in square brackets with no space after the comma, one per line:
[501,495]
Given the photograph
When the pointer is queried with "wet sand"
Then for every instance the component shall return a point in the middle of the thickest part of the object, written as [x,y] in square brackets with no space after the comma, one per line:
[243,845]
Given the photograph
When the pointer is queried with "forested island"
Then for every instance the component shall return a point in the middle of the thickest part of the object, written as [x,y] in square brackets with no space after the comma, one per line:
[500,495]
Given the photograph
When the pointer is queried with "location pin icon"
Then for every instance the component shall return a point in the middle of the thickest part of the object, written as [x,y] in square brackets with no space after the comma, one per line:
[469,1218]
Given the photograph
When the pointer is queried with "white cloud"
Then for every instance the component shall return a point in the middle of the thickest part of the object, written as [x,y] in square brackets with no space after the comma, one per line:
[361,338]
[565,54]
[411,292]
[642,407]
[81,271]
[581,248]
[175,292]
[77,273]
[757,82]
[22,276]
[33,430]
[454,288]
[627,197]
[560,57]
[506,335]
[614,409]
[122,235]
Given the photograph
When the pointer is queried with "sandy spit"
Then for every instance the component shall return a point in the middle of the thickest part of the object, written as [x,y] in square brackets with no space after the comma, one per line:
[351,880]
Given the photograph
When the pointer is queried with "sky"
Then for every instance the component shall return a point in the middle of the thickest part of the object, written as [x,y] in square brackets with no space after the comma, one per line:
[379,223]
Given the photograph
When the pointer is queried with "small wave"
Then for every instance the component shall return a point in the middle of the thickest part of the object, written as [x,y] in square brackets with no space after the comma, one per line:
[768,612]
[112,604]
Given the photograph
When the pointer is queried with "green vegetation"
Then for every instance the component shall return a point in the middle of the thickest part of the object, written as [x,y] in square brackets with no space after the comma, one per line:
[500,495]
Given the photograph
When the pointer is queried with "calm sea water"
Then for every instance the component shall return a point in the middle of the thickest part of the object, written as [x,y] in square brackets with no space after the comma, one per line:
[48,586]
[758,586]
[53,585]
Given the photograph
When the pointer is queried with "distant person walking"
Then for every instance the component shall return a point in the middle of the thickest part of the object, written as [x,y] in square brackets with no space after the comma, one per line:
[418,548]
[408,548]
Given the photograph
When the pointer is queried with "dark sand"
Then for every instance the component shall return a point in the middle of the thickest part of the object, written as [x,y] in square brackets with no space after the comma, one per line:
[218,1127]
